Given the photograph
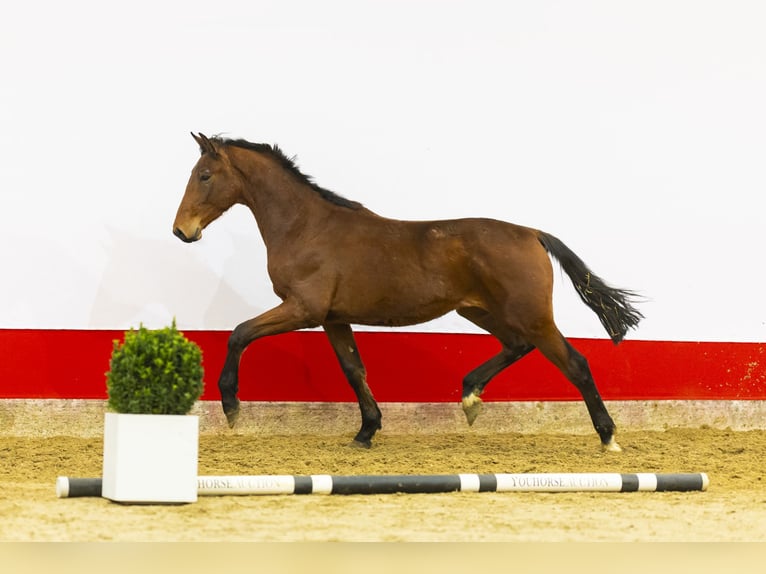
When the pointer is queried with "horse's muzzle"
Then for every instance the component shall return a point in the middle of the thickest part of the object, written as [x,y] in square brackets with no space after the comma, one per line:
[183,237]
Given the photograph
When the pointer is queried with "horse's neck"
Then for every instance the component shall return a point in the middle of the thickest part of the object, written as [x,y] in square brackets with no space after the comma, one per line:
[282,205]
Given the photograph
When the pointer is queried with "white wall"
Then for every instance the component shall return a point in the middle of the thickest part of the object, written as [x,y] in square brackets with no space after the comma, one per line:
[635,131]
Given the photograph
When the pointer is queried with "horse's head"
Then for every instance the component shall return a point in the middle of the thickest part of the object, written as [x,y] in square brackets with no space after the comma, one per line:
[213,187]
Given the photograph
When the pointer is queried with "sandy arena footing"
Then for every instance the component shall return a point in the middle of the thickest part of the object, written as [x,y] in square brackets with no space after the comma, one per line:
[84,418]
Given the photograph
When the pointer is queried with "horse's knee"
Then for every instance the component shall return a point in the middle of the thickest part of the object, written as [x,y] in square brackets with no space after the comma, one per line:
[356,375]
[238,340]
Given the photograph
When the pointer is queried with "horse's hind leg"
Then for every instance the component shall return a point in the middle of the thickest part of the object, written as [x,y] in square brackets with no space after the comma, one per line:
[475,381]
[514,348]
[342,340]
[575,367]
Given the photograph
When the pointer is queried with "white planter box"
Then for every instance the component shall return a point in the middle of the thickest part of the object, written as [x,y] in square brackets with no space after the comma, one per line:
[150,458]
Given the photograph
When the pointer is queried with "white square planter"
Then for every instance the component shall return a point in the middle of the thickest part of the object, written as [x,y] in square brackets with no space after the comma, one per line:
[150,458]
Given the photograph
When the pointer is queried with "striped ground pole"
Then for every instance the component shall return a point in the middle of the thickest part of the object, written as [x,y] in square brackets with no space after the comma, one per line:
[67,487]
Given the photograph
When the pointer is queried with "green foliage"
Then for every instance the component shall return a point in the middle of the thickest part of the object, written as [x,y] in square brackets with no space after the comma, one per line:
[154,372]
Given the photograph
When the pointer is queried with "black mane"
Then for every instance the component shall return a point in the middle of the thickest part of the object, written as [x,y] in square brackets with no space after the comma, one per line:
[290,165]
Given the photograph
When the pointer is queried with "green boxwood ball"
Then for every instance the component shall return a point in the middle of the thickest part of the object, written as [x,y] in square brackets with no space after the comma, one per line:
[154,372]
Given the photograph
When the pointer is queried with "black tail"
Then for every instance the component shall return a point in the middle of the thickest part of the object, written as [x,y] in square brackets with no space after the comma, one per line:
[613,306]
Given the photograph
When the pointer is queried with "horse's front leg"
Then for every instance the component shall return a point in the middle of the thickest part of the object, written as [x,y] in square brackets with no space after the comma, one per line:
[289,316]
[228,384]
[342,340]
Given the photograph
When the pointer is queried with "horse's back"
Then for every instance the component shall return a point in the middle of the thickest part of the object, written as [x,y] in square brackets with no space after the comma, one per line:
[451,245]
[493,241]
[394,272]
[502,251]
[479,255]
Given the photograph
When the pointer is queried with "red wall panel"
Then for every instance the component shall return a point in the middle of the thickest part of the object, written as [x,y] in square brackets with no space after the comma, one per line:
[401,367]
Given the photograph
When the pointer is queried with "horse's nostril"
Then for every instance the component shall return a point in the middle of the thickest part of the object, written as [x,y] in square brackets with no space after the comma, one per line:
[182,236]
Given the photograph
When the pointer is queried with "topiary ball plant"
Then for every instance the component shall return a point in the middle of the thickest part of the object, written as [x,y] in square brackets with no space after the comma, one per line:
[154,372]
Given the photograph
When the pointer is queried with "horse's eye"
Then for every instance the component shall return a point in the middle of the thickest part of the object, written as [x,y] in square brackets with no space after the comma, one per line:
[205,175]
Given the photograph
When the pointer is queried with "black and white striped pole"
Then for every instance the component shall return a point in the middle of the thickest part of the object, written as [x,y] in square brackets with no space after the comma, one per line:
[389,484]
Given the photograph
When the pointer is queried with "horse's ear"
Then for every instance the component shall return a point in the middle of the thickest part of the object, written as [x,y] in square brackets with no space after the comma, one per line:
[205,145]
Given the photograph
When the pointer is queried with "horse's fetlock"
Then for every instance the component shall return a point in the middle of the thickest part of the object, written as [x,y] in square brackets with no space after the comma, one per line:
[606,432]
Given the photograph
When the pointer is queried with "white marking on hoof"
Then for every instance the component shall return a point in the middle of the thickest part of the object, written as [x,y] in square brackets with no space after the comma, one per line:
[611,446]
[472,405]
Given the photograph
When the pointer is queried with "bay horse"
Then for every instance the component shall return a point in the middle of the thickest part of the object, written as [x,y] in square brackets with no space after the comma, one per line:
[334,263]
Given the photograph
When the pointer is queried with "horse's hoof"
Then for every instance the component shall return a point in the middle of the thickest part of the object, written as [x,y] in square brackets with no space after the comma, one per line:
[361,444]
[232,416]
[472,406]
[611,446]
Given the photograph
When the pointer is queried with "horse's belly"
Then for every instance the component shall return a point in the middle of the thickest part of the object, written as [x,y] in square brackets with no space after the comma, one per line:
[390,312]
